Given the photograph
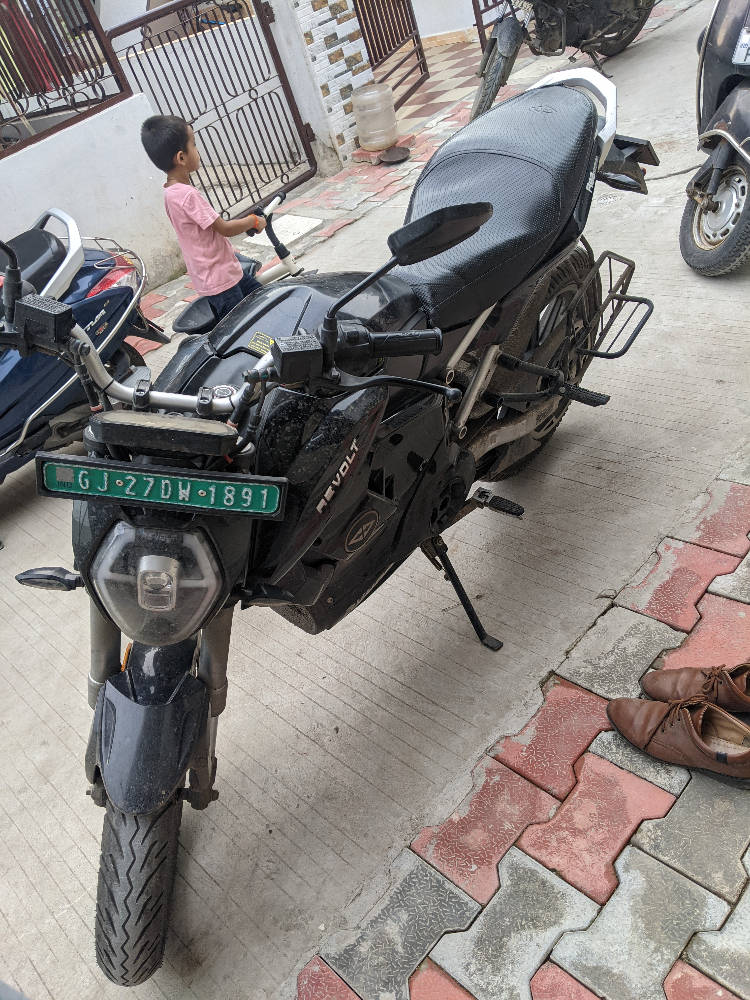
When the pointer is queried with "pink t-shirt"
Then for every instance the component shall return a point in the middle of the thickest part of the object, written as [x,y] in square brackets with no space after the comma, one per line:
[209,257]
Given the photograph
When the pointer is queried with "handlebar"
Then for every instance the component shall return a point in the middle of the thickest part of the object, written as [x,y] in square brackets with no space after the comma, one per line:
[406,343]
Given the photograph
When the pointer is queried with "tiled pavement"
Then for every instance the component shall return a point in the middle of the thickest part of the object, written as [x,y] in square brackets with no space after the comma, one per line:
[577,867]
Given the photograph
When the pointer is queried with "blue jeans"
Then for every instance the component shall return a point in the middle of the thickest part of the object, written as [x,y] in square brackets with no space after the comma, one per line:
[224,302]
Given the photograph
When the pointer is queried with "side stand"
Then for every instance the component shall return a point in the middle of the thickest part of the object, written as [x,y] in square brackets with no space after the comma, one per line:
[437,552]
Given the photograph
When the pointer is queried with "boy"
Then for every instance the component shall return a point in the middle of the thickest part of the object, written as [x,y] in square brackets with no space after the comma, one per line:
[212,265]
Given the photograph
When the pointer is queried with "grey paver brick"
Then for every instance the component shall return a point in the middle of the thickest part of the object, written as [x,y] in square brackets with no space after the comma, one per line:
[377,958]
[704,835]
[611,657]
[616,749]
[735,586]
[628,950]
[497,957]
[737,470]
[725,955]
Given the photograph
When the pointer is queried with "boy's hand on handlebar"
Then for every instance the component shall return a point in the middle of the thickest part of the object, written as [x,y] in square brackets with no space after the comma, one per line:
[258,223]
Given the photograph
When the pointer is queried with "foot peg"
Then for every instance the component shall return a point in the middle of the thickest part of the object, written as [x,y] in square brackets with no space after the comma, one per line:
[579,395]
[483,498]
[559,387]
[437,552]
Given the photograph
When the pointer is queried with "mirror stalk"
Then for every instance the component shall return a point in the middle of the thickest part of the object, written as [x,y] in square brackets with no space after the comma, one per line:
[329,330]
[11,284]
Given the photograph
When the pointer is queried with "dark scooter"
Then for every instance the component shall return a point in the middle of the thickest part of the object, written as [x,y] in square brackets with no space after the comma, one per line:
[326,428]
[43,405]
[715,229]
[595,27]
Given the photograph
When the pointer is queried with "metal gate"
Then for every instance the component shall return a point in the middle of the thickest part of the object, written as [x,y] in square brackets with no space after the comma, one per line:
[217,66]
[485,16]
[391,36]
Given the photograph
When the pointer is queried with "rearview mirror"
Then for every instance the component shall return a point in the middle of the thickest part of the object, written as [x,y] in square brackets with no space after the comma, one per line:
[438,231]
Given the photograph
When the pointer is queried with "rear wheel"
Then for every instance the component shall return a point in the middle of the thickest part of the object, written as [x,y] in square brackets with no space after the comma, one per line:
[555,318]
[495,76]
[617,41]
[136,876]
[717,241]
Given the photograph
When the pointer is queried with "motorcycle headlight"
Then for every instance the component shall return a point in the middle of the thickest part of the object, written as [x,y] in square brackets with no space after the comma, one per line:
[158,586]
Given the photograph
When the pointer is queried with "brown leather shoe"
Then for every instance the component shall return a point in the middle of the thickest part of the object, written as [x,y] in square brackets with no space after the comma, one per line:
[728,687]
[692,733]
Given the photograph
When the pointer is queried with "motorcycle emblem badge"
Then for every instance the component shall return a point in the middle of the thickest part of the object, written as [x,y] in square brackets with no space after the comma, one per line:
[362,530]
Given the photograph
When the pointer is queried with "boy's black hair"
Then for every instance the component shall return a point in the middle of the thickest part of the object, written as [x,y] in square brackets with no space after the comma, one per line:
[163,137]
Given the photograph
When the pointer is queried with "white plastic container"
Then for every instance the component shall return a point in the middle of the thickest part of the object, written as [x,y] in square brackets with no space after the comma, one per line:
[375,116]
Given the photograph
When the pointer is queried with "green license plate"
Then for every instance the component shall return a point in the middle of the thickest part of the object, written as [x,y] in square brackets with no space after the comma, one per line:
[103,481]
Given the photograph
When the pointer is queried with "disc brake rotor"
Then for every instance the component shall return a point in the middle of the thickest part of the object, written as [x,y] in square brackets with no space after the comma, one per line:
[711,229]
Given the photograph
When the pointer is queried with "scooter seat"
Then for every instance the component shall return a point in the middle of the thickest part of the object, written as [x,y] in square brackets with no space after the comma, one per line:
[198,317]
[530,157]
[195,319]
[39,253]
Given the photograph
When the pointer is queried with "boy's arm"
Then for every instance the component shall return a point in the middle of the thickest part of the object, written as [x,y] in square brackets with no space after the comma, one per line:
[233,227]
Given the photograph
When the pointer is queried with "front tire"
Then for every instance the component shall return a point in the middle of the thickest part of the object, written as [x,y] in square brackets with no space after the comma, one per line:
[495,76]
[136,877]
[718,241]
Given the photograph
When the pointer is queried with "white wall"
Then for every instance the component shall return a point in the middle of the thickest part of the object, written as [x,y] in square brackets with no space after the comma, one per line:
[114,12]
[437,16]
[98,172]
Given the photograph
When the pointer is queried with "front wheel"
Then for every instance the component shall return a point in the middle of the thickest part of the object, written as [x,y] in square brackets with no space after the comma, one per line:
[717,240]
[495,76]
[136,876]
[617,41]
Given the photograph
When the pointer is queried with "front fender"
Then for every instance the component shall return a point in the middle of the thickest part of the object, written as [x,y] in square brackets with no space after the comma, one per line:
[733,115]
[140,746]
[508,35]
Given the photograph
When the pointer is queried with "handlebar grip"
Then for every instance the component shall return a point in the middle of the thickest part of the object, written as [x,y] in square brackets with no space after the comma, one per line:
[405,343]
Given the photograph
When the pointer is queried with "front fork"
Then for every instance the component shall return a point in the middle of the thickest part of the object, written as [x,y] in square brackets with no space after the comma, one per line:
[212,671]
[704,185]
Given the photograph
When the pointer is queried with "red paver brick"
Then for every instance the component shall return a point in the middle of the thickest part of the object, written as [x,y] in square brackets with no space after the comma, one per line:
[429,982]
[720,519]
[721,636]
[334,227]
[594,824]
[552,741]
[151,313]
[553,983]
[686,983]
[142,345]
[672,582]
[152,299]
[318,981]
[468,845]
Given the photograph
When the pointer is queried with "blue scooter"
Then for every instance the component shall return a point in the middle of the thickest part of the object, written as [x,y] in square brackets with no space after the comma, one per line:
[42,405]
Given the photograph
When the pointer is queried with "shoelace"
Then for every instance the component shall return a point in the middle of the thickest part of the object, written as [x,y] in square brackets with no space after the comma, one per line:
[675,707]
[714,679]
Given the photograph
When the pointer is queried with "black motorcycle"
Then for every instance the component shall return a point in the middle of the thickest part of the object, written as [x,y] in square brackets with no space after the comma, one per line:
[595,27]
[715,229]
[326,428]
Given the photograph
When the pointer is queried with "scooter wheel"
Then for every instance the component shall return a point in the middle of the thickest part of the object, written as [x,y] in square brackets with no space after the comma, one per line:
[718,241]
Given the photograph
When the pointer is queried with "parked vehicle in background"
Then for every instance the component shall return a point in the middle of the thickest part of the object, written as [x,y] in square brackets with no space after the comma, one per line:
[41,404]
[324,430]
[715,229]
[595,27]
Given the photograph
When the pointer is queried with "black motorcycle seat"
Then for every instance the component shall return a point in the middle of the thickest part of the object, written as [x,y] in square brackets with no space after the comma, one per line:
[39,253]
[530,157]
[198,317]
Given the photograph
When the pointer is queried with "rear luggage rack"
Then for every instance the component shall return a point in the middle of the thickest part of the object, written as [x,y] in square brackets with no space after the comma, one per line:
[616,273]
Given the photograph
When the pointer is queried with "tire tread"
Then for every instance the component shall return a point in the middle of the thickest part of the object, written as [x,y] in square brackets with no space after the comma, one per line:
[136,876]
